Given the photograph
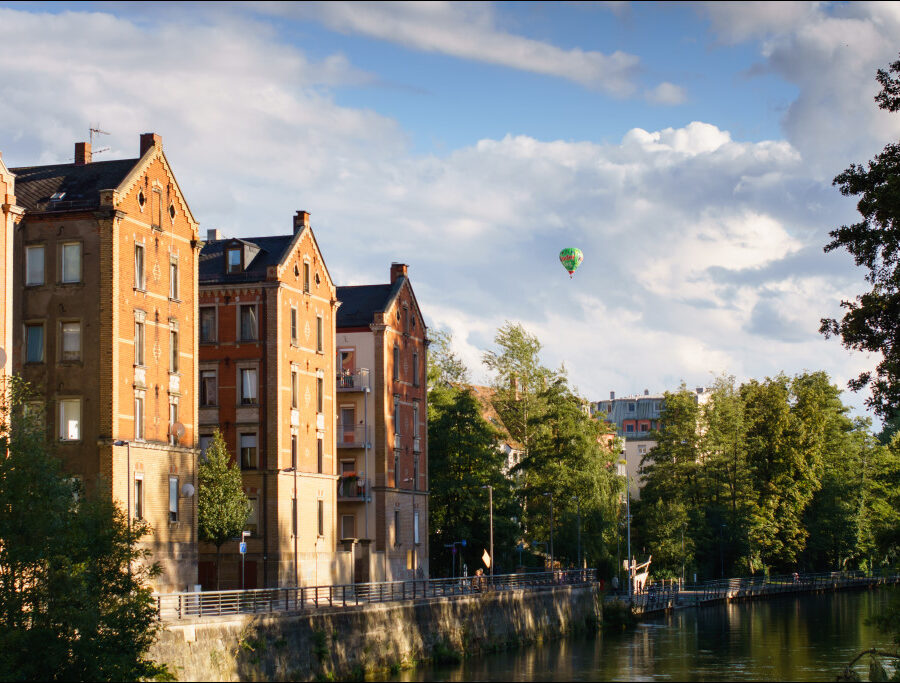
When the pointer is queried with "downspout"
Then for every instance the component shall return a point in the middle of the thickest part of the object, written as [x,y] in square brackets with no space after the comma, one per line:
[265,448]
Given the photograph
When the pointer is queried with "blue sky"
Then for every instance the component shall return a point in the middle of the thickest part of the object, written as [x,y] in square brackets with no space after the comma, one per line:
[687,148]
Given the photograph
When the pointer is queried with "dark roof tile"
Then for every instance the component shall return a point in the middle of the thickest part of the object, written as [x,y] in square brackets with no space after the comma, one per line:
[360,304]
[212,259]
[81,184]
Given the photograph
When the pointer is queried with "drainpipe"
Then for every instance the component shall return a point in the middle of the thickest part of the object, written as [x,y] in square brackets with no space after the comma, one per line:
[264,447]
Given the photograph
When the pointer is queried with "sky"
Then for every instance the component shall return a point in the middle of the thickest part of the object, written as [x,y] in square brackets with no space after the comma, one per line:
[688,149]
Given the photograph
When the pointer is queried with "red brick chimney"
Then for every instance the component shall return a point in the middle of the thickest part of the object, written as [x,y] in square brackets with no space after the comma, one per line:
[301,220]
[149,140]
[397,269]
[82,153]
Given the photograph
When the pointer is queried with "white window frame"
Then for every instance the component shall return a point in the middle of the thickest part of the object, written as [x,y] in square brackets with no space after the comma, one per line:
[139,411]
[62,342]
[253,400]
[215,324]
[255,435]
[30,274]
[43,326]
[320,334]
[240,322]
[140,267]
[173,500]
[64,430]
[139,495]
[64,276]
[173,279]
[213,401]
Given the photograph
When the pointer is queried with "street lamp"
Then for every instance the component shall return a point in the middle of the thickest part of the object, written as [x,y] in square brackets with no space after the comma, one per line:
[128,484]
[491,504]
[551,529]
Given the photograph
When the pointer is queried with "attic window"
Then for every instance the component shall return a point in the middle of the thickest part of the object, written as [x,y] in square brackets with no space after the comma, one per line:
[141,199]
[317,279]
[233,260]
[57,196]
[172,211]
[296,270]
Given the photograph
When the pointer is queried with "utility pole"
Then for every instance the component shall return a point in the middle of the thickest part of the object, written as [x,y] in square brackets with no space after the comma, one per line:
[551,529]
[577,500]
[491,504]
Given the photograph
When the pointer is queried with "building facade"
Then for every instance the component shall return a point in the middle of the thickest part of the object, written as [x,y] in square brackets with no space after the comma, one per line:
[105,277]
[10,213]
[267,381]
[382,429]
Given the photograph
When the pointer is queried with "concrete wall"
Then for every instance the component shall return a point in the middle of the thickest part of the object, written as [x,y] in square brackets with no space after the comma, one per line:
[344,643]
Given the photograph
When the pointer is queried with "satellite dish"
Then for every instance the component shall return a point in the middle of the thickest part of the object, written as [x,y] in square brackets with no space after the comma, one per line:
[2,356]
[176,430]
[187,490]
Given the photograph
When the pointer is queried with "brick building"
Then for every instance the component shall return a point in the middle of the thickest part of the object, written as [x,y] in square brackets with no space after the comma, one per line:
[104,325]
[267,380]
[9,214]
[382,434]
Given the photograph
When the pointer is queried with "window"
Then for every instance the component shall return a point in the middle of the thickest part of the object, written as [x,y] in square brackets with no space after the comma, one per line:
[320,454]
[208,388]
[644,427]
[34,265]
[253,517]
[207,324]
[173,279]
[416,527]
[295,387]
[397,415]
[173,420]
[70,342]
[156,209]
[321,517]
[173,350]
[173,499]
[34,343]
[294,450]
[348,526]
[415,420]
[396,469]
[629,428]
[320,334]
[396,527]
[248,386]
[631,407]
[293,326]
[415,364]
[248,452]
[233,262]
[205,440]
[70,419]
[306,277]
[139,496]
[320,395]
[396,362]
[33,413]
[71,262]
[249,326]
[405,320]
[139,418]
[138,342]
[139,281]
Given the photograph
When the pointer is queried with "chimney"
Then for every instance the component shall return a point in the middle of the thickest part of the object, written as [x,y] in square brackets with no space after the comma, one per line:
[612,395]
[646,392]
[301,220]
[213,234]
[699,390]
[149,140]
[82,153]
[398,269]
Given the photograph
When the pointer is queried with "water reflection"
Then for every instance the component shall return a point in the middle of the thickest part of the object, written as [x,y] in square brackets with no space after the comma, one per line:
[802,639]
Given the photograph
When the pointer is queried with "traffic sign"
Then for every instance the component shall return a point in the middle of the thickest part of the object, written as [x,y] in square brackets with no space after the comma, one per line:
[243,547]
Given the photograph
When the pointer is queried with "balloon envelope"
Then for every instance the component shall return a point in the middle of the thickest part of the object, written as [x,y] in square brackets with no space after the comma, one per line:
[571,258]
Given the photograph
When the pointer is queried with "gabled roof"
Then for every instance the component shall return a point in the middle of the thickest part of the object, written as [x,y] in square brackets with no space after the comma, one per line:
[272,250]
[35,185]
[360,303]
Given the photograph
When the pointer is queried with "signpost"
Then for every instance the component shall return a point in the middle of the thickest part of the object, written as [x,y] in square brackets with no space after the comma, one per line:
[243,548]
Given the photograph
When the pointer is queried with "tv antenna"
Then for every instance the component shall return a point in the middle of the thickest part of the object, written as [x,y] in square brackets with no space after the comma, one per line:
[96,131]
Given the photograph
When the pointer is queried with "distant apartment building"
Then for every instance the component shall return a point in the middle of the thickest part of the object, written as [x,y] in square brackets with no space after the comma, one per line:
[105,283]
[382,436]
[267,381]
[511,449]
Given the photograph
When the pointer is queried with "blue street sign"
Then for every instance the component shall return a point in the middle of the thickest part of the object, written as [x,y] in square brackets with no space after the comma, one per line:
[463,542]
[243,547]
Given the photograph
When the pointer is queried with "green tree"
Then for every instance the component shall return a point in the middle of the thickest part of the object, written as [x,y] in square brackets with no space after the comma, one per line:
[871,323]
[222,505]
[463,459]
[74,604]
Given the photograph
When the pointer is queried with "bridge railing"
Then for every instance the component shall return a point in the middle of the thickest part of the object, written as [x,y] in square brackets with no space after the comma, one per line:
[747,586]
[174,606]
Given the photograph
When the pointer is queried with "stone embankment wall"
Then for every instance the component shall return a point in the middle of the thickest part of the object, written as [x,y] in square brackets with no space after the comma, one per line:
[345,643]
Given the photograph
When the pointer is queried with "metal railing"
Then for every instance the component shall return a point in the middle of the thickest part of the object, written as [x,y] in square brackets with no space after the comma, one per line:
[353,436]
[175,606]
[351,487]
[353,381]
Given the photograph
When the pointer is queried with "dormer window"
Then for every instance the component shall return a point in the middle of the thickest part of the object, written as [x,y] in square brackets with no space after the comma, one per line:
[233,260]
[57,196]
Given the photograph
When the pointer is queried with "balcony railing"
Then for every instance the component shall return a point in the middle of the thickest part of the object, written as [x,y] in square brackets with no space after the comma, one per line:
[353,436]
[349,486]
[353,381]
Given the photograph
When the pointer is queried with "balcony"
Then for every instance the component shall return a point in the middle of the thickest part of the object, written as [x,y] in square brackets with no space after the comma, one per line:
[353,436]
[351,488]
[353,381]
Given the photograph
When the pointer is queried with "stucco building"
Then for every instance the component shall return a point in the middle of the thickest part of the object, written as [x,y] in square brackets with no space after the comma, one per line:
[10,213]
[382,434]
[105,282]
[267,381]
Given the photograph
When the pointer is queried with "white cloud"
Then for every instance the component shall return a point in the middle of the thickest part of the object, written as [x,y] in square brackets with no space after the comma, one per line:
[702,252]
[470,31]
[666,93]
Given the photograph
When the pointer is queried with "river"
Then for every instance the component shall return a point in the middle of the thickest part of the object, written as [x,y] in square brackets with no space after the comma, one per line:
[807,638]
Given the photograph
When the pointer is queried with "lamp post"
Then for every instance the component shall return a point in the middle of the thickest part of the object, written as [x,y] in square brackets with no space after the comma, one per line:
[491,505]
[551,528]
[128,484]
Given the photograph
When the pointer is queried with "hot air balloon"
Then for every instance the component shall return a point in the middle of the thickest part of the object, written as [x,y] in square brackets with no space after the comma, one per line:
[571,258]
